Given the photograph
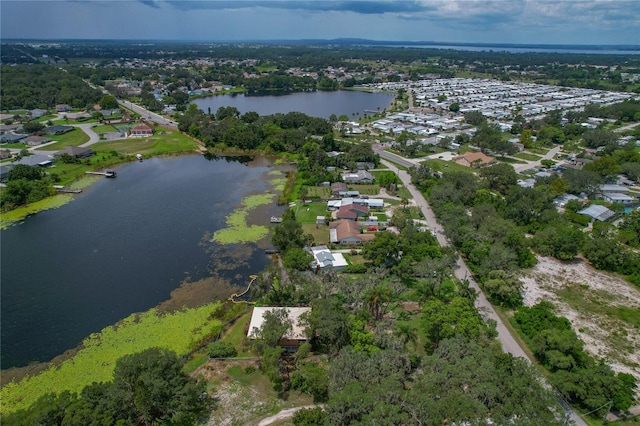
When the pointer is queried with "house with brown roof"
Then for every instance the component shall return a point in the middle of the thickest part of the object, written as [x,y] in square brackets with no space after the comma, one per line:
[141,131]
[347,232]
[338,187]
[352,212]
[474,159]
[4,154]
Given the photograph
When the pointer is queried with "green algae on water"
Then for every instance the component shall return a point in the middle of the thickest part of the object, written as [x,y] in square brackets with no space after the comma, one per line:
[238,231]
[19,214]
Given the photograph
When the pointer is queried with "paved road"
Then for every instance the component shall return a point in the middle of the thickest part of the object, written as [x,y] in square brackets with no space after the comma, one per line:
[462,272]
[88,129]
[145,113]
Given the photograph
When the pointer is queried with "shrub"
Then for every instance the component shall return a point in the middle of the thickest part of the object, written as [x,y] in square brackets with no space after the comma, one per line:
[357,268]
[220,349]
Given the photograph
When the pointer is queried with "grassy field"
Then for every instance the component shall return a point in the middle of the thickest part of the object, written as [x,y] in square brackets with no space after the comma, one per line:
[16,145]
[75,137]
[64,121]
[539,150]
[236,335]
[322,192]
[510,160]
[365,189]
[306,214]
[104,128]
[164,142]
[320,233]
[180,332]
[447,166]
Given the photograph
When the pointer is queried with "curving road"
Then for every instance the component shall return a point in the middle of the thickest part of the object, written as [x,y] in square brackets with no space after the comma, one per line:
[462,272]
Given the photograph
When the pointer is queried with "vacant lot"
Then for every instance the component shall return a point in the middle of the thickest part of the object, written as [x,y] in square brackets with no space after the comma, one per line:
[603,308]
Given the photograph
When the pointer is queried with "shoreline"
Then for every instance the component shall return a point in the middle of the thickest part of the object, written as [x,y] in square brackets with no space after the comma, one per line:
[189,294]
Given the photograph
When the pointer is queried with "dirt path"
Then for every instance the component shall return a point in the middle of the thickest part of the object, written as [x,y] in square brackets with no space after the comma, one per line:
[284,414]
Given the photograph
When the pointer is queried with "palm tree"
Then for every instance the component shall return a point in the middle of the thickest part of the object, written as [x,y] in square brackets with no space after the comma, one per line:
[376,299]
[407,333]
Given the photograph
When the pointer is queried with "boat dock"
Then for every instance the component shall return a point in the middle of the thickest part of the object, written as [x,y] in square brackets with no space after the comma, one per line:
[235,296]
[275,219]
[106,173]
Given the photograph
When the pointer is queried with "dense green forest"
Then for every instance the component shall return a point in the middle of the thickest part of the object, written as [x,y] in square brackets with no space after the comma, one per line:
[43,86]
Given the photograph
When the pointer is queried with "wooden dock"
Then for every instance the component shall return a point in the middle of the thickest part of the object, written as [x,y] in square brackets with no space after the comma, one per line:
[233,298]
[106,173]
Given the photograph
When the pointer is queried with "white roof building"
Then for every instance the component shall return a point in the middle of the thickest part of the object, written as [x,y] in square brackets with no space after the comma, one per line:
[324,258]
[297,329]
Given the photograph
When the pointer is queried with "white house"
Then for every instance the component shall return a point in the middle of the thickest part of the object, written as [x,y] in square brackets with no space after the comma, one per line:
[323,258]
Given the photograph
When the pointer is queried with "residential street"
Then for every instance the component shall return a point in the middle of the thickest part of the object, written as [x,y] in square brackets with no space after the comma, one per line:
[146,114]
[462,272]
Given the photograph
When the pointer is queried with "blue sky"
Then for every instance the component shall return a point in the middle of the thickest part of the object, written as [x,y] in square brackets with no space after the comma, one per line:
[475,21]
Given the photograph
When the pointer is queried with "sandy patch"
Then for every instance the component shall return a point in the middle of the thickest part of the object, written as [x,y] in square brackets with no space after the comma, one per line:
[592,301]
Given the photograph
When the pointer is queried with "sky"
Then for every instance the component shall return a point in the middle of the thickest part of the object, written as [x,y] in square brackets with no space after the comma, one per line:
[602,22]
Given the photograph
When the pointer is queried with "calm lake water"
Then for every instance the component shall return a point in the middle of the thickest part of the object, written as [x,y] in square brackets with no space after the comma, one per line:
[121,247]
[315,104]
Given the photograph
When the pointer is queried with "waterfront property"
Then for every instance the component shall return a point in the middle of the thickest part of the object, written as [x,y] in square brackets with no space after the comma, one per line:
[75,151]
[141,131]
[323,258]
[296,334]
[347,232]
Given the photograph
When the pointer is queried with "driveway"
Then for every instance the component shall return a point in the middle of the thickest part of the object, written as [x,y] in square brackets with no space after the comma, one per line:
[531,164]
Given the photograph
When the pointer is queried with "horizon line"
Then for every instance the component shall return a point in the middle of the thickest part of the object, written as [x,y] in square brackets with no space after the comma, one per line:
[344,40]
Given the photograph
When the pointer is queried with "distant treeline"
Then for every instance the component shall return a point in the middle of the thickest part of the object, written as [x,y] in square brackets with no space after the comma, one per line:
[43,86]
[294,54]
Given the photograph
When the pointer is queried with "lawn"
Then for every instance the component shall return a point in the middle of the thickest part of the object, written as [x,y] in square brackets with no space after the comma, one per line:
[237,337]
[365,189]
[46,118]
[16,145]
[322,192]
[104,128]
[320,233]
[70,172]
[306,214]
[65,122]
[510,160]
[539,150]
[75,137]
[164,142]
[447,166]
[527,156]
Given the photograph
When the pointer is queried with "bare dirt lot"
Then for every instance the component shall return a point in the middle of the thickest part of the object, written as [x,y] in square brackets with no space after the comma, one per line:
[242,397]
[603,308]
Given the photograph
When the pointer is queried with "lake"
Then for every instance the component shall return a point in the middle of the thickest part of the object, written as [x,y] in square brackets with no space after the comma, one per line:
[316,104]
[124,246]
